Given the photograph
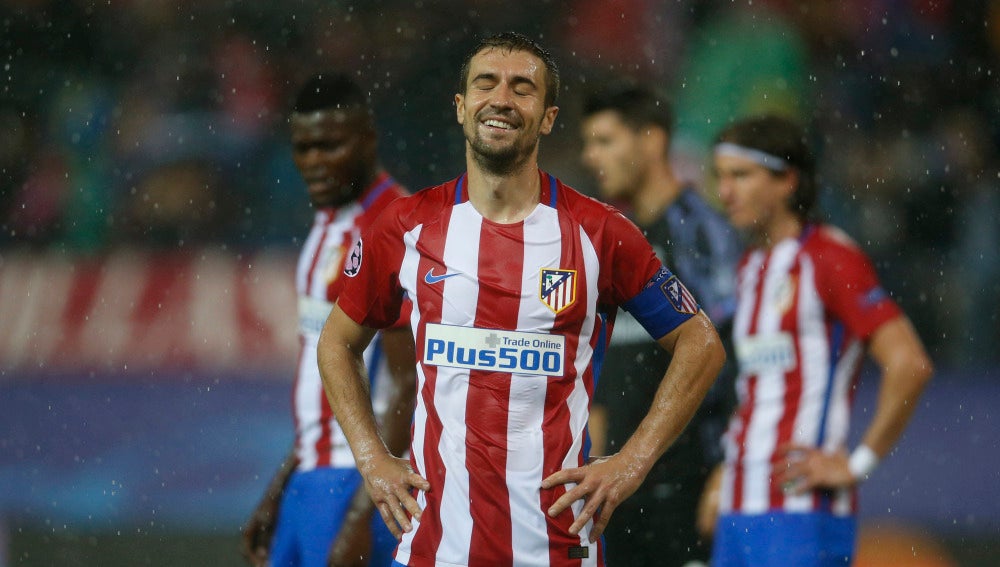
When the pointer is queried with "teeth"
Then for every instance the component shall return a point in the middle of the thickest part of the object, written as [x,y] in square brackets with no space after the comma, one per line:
[498,124]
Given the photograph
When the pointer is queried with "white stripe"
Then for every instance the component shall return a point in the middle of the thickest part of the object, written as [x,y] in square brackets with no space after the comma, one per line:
[461,297]
[408,279]
[307,410]
[525,439]
[814,355]
[308,253]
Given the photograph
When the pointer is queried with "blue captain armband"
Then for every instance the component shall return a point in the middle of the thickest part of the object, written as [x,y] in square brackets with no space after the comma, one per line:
[662,305]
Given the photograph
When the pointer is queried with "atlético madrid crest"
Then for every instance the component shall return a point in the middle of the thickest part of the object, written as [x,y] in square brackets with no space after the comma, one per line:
[557,288]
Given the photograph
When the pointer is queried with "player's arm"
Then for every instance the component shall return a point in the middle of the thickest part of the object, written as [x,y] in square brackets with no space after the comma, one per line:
[259,529]
[906,369]
[697,356]
[388,479]
[597,427]
[352,545]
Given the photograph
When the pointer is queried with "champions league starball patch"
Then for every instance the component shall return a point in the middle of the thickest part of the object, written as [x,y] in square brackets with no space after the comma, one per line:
[352,265]
[678,296]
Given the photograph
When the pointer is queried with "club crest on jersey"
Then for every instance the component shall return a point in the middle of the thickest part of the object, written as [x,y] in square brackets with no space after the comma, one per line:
[352,265]
[557,288]
[784,295]
[678,296]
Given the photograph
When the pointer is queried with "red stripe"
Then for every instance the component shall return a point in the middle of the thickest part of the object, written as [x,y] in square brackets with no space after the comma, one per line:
[792,398]
[88,276]
[747,408]
[429,300]
[166,293]
[558,437]
[487,404]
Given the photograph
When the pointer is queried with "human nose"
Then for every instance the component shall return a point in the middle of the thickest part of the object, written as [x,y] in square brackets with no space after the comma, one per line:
[310,156]
[724,186]
[502,96]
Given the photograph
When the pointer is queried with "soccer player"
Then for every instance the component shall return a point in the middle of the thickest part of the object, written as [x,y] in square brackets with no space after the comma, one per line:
[626,131]
[515,279]
[315,508]
[809,306]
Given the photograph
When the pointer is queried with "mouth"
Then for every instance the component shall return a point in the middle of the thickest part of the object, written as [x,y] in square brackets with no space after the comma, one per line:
[498,124]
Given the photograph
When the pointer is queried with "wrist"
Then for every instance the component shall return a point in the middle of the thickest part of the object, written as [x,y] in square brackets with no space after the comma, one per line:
[862,462]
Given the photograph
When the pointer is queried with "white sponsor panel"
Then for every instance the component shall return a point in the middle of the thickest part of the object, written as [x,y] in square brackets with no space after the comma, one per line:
[494,350]
[766,353]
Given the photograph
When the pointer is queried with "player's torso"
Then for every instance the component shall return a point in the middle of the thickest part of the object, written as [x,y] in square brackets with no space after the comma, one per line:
[795,369]
[319,440]
[505,322]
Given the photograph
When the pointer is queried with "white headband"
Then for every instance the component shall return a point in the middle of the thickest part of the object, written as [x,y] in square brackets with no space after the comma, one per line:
[765,159]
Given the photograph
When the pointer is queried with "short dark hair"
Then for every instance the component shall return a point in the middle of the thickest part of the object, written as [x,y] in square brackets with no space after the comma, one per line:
[330,91]
[514,41]
[638,104]
[783,138]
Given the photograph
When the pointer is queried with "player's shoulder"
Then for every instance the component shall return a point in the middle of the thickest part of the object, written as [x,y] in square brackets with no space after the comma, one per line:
[584,208]
[426,202]
[828,236]
[832,247]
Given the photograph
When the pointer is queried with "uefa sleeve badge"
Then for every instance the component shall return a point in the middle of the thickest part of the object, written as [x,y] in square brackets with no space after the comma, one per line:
[352,265]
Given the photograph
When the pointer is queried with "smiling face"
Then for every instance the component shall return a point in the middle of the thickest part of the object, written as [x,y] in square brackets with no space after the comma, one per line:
[614,153]
[502,111]
[335,151]
[755,198]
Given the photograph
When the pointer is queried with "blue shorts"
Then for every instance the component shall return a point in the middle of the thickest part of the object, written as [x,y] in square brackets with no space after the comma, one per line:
[312,511]
[783,539]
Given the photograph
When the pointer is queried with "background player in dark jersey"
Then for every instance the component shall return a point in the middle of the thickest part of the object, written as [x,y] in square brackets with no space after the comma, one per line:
[315,512]
[627,129]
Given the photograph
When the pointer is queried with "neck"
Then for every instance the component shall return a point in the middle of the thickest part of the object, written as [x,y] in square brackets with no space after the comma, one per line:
[657,192]
[504,197]
[782,227]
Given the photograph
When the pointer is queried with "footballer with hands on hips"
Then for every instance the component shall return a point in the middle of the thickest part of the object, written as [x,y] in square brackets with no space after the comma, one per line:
[514,279]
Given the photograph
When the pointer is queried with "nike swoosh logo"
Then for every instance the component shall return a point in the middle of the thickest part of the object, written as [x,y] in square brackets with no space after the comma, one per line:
[432,279]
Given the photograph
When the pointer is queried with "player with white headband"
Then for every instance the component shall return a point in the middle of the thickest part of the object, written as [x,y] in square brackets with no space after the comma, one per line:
[809,307]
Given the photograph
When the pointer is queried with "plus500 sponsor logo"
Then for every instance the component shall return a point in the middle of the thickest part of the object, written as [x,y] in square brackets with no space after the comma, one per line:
[493,350]
[766,353]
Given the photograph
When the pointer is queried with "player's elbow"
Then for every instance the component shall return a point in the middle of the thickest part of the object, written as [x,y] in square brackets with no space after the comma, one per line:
[717,354]
[920,368]
[713,353]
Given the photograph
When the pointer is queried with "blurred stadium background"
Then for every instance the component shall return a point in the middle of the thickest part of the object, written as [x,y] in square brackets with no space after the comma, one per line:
[150,216]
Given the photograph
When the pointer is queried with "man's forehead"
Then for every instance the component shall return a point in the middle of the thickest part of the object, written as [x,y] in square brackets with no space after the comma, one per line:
[528,63]
[327,116]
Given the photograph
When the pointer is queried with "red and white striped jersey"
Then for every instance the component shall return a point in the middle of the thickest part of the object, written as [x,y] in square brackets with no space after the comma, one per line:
[319,441]
[805,310]
[509,321]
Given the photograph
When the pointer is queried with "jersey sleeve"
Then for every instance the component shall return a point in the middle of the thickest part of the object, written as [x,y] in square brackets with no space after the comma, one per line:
[851,291]
[371,295]
[642,285]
